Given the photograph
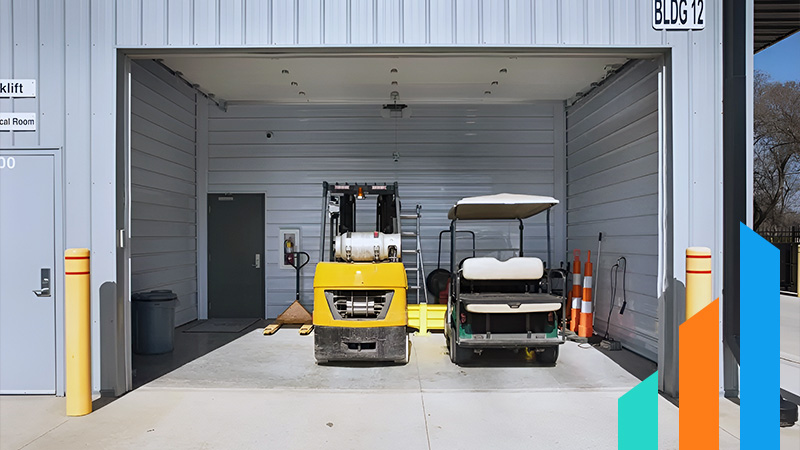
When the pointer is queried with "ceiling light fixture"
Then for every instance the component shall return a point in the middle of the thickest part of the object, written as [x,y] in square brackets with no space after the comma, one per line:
[285,72]
[495,83]
[487,92]
[394,70]
[503,70]
[294,83]
[394,83]
[301,93]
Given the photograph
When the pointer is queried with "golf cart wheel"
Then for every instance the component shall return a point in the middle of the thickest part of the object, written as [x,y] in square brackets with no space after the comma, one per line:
[458,355]
[548,355]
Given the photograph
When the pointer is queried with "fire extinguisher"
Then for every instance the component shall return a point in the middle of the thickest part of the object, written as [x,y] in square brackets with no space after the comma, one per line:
[288,252]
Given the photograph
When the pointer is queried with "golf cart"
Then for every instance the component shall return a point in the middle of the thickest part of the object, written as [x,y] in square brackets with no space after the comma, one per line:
[503,304]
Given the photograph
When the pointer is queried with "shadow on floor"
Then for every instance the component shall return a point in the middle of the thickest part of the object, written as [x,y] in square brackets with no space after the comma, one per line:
[188,347]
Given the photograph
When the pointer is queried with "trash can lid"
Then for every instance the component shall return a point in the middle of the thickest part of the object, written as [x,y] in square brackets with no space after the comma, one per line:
[161,295]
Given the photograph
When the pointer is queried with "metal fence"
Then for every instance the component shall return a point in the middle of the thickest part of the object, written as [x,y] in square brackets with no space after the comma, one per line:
[788,242]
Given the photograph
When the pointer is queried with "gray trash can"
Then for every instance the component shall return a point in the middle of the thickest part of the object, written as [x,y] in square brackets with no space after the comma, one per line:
[153,318]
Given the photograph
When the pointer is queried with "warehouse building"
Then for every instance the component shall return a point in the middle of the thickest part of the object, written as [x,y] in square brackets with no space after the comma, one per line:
[148,115]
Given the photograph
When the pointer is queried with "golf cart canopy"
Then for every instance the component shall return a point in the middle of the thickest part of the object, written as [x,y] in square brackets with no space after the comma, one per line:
[500,207]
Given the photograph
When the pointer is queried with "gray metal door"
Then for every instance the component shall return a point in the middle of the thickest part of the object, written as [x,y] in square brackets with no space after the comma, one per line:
[27,251]
[236,256]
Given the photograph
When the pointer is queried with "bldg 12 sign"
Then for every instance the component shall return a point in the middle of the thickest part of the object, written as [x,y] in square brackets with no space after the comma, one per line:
[679,14]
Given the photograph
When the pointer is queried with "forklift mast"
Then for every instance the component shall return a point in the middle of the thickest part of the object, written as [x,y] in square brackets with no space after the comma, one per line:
[339,210]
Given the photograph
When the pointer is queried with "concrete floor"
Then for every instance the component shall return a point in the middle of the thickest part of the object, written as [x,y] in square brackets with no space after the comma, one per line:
[188,347]
[262,391]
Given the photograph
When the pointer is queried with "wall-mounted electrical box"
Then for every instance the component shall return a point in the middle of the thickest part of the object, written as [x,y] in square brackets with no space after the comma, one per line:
[289,244]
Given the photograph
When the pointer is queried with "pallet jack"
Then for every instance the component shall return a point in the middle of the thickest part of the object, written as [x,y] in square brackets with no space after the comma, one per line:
[360,291]
[295,314]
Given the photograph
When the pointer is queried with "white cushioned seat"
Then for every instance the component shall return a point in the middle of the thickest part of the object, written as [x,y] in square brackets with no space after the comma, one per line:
[487,268]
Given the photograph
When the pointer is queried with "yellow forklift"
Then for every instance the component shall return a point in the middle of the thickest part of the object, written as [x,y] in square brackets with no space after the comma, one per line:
[360,282]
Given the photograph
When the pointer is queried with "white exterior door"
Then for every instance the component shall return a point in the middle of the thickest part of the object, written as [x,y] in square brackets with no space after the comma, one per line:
[27,258]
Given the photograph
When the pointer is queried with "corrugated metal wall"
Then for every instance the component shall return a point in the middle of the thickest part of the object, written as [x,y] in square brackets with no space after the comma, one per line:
[446,153]
[612,187]
[162,23]
[163,186]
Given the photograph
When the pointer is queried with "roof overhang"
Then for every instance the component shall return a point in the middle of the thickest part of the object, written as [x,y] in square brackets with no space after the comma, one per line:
[773,21]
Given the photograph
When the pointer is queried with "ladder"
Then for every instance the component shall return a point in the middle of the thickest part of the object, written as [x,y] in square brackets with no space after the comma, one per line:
[418,268]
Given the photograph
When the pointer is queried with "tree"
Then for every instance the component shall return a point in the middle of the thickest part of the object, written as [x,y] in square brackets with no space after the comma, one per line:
[776,151]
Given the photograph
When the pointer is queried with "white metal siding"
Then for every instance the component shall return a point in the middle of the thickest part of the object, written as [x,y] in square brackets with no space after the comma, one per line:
[163,186]
[612,187]
[446,153]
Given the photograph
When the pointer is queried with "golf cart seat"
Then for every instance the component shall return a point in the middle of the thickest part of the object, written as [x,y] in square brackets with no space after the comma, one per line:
[517,268]
[486,274]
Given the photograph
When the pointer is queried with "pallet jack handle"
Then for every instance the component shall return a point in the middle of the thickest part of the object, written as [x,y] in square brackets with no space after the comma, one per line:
[295,263]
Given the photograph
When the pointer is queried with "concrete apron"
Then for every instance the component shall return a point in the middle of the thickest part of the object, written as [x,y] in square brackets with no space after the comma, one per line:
[267,391]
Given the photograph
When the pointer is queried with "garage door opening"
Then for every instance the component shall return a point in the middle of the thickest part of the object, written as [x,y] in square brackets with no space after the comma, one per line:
[581,127]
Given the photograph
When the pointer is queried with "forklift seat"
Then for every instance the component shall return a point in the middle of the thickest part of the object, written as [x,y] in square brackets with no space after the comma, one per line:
[488,268]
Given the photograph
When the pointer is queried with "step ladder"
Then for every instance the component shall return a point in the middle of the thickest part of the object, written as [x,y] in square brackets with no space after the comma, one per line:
[417,266]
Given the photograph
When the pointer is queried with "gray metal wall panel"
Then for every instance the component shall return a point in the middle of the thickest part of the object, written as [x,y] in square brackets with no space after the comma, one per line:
[362,22]
[573,22]
[468,22]
[129,23]
[310,14]
[598,26]
[164,187]
[206,22]
[495,22]
[77,136]
[50,84]
[180,30]
[231,22]
[520,18]
[612,187]
[415,22]
[258,22]
[6,61]
[546,23]
[154,23]
[442,23]
[390,19]
[442,159]
[284,23]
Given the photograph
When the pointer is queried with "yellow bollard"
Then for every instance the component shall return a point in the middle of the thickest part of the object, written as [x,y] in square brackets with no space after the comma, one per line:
[698,279]
[423,319]
[77,330]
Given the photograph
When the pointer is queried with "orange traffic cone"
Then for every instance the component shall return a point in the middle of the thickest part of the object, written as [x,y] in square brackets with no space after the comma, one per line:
[577,292]
[585,328]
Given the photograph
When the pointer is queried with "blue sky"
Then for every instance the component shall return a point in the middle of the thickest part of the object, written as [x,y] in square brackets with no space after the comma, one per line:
[782,60]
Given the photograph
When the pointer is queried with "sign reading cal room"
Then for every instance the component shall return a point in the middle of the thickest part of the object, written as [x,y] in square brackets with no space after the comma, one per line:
[17,121]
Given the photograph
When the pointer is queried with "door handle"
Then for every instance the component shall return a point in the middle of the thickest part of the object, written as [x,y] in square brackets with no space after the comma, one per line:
[45,282]
[257,265]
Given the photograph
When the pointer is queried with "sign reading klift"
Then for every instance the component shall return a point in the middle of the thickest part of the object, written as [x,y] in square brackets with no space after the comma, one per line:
[679,14]
[17,88]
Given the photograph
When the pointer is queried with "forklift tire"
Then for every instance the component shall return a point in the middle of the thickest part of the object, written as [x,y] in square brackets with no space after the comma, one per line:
[458,355]
[548,355]
[404,360]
